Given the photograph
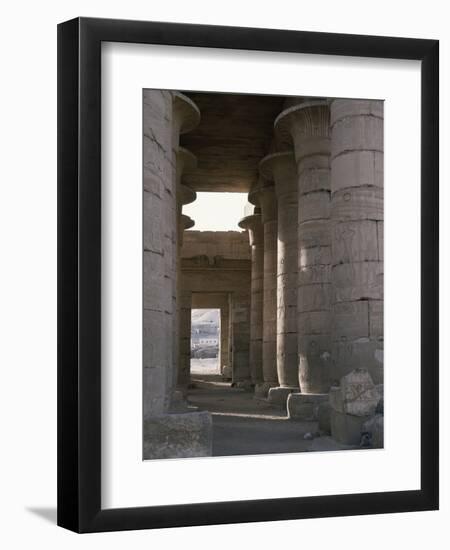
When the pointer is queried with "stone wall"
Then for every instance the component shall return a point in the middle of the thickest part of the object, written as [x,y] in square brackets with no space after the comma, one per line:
[225,244]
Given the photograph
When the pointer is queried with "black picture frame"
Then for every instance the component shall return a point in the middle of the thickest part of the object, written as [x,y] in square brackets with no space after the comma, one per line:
[79,269]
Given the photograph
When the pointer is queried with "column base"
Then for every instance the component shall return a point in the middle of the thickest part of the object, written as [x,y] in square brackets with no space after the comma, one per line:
[227,373]
[305,406]
[262,389]
[279,395]
[178,435]
[179,402]
[243,384]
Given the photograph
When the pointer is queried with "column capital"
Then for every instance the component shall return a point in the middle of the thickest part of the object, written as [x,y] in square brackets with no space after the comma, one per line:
[263,195]
[187,222]
[303,122]
[282,169]
[185,161]
[253,224]
[186,114]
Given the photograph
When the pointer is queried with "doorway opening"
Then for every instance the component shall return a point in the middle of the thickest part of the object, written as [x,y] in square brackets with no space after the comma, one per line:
[205,342]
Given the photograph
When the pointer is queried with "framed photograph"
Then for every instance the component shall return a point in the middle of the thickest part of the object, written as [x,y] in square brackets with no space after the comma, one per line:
[247,275]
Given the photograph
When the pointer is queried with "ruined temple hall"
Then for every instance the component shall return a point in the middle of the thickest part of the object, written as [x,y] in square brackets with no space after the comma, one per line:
[298,283]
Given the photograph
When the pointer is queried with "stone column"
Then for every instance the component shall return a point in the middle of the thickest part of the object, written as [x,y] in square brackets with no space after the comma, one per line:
[256,238]
[306,126]
[357,236]
[281,167]
[164,435]
[264,197]
[225,365]
[240,315]
[159,252]
[185,311]
[185,195]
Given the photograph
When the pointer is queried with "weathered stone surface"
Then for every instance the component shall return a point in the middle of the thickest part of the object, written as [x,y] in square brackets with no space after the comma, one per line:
[342,108]
[314,206]
[178,435]
[351,354]
[316,297]
[357,168]
[346,428]
[357,133]
[227,372]
[355,241]
[305,406]
[314,255]
[262,390]
[225,244]
[350,320]
[324,417]
[315,363]
[380,405]
[357,395]
[279,395]
[314,322]
[358,281]
[254,226]
[375,428]
[357,203]
[313,177]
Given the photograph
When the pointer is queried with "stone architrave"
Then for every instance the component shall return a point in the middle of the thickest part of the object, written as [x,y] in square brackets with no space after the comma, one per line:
[281,168]
[357,235]
[253,224]
[263,196]
[306,126]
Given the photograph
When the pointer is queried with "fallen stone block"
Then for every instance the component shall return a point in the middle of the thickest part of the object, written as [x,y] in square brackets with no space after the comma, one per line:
[346,428]
[356,395]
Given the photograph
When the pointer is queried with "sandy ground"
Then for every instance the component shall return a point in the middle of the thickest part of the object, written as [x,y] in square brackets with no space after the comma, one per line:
[243,425]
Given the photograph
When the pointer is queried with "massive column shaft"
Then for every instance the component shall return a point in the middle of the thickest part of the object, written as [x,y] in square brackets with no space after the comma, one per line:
[282,169]
[159,252]
[307,125]
[256,239]
[264,196]
[184,312]
[186,116]
[185,195]
[357,236]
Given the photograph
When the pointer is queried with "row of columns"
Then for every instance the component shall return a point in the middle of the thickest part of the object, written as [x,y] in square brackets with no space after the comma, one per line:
[320,227]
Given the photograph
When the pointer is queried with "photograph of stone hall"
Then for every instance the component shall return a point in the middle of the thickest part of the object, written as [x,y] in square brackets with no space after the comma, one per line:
[262,274]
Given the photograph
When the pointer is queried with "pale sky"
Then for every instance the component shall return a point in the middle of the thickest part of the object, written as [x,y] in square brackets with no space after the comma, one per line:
[217,211]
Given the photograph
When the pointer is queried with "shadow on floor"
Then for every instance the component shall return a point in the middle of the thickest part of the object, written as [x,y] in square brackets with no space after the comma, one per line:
[243,425]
